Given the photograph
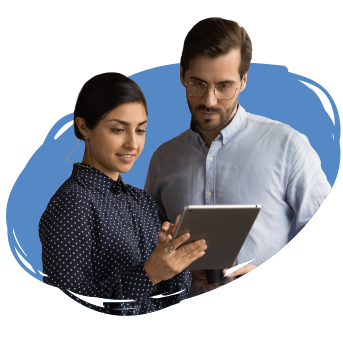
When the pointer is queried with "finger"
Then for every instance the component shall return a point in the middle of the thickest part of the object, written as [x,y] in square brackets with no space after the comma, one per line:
[225,270]
[234,273]
[166,242]
[241,271]
[166,226]
[171,229]
[192,246]
[175,224]
[168,239]
[187,256]
[180,240]
[192,250]
[161,237]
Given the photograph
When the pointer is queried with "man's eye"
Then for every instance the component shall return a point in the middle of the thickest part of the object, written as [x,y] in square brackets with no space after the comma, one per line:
[223,87]
[198,84]
[117,130]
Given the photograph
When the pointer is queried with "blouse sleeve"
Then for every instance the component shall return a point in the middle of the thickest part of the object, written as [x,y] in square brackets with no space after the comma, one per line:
[65,232]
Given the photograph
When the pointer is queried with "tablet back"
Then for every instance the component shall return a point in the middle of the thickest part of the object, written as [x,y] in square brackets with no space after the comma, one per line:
[224,227]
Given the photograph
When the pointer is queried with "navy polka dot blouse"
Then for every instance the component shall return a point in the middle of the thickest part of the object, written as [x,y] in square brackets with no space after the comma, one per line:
[96,233]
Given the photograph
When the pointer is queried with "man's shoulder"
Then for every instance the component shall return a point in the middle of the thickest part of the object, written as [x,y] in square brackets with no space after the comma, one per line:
[174,143]
[269,125]
[258,119]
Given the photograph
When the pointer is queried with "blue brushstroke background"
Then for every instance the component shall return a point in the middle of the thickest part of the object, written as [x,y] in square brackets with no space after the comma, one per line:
[271,91]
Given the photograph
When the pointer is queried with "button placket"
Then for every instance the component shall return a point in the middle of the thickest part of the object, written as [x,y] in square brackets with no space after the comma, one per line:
[211,171]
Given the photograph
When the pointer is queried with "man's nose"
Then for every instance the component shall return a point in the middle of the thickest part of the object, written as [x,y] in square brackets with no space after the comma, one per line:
[210,98]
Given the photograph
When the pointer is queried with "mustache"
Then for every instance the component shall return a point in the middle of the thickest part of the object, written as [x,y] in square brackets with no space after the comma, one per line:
[208,110]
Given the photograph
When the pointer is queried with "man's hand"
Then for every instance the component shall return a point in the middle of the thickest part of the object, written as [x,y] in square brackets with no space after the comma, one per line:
[199,277]
[241,271]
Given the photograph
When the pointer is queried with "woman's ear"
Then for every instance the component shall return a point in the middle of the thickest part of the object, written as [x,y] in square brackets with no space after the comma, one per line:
[81,125]
[181,77]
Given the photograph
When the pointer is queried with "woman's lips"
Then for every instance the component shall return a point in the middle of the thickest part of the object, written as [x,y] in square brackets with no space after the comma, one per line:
[126,158]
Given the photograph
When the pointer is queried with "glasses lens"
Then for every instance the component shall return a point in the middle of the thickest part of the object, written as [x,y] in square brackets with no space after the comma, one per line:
[225,91]
[196,89]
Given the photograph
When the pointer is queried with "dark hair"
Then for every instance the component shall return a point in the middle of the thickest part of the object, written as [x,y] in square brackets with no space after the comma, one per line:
[101,94]
[213,37]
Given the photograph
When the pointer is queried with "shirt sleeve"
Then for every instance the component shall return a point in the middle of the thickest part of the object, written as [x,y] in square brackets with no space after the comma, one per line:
[150,188]
[307,185]
[65,232]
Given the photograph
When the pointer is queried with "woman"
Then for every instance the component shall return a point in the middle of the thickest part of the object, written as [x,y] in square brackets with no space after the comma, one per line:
[100,237]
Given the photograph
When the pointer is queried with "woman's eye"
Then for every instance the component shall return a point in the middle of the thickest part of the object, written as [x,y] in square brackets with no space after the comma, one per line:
[117,130]
[141,132]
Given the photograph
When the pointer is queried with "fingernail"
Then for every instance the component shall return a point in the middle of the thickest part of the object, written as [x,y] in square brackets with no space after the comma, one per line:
[186,236]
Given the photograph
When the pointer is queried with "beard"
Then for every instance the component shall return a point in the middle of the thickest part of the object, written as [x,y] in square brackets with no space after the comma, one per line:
[209,124]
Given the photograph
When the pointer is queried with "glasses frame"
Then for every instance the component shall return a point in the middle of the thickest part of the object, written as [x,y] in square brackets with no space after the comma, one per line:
[215,90]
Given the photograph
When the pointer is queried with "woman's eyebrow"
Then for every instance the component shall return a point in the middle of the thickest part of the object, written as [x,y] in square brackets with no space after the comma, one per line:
[127,123]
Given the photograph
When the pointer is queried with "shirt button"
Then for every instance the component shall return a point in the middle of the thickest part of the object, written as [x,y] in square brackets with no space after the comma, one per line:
[209,194]
[210,158]
[224,141]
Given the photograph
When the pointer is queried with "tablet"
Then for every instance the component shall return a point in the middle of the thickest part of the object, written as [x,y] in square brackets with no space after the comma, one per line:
[224,227]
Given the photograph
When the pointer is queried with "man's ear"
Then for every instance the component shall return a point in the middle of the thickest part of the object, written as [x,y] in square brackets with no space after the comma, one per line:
[244,82]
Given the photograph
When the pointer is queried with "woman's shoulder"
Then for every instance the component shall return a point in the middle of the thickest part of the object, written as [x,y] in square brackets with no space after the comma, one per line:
[138,194]
[72,191]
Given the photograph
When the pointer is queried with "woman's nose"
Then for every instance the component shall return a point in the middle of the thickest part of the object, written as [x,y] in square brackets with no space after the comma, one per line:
[131,142]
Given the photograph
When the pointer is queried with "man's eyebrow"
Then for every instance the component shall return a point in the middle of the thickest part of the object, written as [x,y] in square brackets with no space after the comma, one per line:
[127,123]
[219,82]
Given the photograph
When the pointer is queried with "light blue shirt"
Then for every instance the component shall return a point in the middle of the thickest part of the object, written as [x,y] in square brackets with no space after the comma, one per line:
[254,160]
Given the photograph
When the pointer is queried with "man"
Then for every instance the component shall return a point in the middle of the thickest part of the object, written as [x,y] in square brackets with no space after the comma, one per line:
[229,156]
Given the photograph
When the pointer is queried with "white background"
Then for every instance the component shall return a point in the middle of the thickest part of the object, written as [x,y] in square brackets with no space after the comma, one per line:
[167,332]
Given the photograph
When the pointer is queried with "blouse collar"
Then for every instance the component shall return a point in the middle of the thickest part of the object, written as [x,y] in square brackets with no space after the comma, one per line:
[97,179]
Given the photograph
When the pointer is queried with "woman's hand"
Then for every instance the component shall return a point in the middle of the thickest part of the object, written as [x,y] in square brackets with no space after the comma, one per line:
[169,228]
[162,265]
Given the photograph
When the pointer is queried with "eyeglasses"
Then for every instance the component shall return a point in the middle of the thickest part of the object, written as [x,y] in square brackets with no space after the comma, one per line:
[222,90]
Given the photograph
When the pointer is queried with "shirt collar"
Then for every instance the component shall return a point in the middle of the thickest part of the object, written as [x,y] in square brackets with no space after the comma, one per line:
[227,132]
[97,179]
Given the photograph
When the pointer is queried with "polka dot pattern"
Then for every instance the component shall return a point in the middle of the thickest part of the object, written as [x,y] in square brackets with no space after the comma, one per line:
[96,233]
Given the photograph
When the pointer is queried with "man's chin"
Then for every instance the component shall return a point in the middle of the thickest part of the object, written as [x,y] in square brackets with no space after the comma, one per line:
[208,126]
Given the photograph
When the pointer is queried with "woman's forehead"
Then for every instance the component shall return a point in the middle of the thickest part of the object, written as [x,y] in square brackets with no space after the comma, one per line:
[130,113]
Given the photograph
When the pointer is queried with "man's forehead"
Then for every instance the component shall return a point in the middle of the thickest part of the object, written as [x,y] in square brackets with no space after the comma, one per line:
[224,67]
